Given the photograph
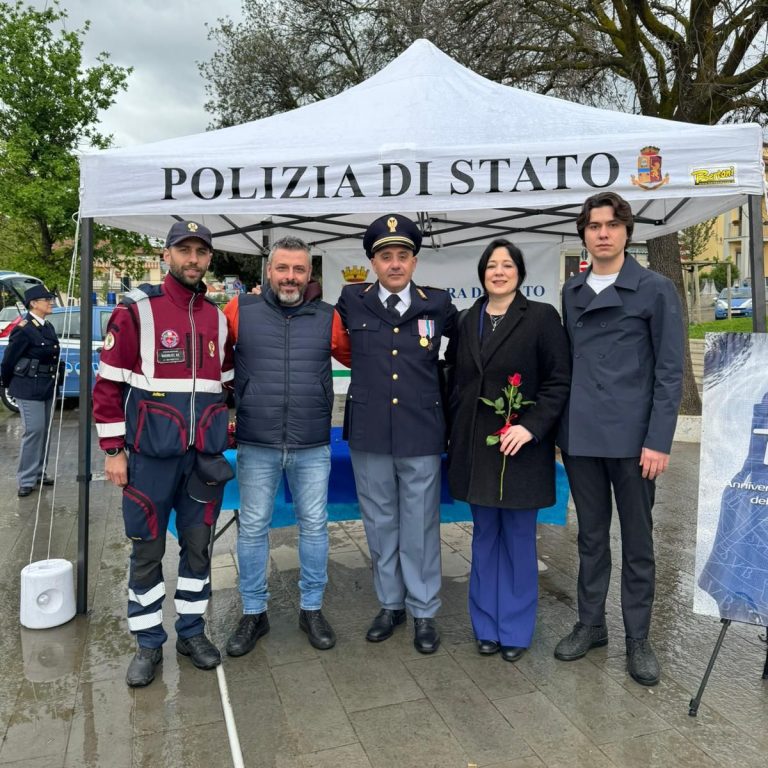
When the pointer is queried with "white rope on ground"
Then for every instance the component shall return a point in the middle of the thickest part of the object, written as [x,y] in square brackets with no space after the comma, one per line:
[65,337]
[229,719]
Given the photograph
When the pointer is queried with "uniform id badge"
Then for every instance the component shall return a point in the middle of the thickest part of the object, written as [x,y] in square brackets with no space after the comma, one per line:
[426,332]
[171,355]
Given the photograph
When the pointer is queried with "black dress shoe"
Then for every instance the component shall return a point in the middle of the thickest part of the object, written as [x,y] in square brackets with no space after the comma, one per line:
[384,624]
[512,652]
[47,480]
[425,636]
[25,491]
[642,664]
[201,651]
[141,670]
[487,647]
[252,626]
[319,631]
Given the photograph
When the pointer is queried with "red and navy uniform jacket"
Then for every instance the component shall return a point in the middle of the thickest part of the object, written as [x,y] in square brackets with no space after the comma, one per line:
[164,366]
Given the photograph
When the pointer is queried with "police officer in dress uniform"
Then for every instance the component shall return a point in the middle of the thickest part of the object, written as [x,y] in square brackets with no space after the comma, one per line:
[395,427]
[29,370]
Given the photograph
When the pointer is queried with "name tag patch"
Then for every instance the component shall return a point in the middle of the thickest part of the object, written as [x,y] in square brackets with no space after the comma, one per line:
[171,356]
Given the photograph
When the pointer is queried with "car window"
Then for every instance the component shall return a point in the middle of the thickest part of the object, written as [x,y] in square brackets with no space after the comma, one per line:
[66,324]
[736,293]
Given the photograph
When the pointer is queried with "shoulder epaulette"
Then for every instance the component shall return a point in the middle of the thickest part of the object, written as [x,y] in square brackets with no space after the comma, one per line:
[368,286]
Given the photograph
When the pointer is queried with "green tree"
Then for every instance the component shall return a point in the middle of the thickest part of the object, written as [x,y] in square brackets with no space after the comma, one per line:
[49,110]
[719,274]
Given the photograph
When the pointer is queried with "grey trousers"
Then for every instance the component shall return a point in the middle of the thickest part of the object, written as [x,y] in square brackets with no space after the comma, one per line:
[35,415]
[400,506]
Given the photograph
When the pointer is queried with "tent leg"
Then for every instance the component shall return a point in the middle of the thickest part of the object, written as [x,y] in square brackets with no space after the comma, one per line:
[84,422]
[757,268]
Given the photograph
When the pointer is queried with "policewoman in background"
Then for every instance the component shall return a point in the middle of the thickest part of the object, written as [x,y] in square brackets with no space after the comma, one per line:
[28,372]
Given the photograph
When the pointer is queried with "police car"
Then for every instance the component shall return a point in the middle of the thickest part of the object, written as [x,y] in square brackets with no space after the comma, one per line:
[66,321]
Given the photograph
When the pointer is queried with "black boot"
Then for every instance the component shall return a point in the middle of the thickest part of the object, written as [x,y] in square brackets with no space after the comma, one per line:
[319,631]
[252,626]
[141,670]
[201,651]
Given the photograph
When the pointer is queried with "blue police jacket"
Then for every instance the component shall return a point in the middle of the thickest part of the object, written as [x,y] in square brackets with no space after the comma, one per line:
[283,383]
[394,404]
[31,360]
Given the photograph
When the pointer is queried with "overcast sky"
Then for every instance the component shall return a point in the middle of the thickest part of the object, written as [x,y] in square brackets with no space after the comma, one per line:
[162,40]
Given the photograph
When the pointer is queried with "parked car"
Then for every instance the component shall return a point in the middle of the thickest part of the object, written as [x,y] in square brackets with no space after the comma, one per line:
[741,303]
[8,315]
[66,321]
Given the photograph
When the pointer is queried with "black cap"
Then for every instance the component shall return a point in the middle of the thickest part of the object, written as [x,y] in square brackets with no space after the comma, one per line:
[391,229]
[208,478]
[182,230]
[37,292]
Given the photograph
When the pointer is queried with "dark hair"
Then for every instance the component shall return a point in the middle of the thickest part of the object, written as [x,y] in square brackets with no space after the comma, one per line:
[514,253]
[289,243]
[621,209]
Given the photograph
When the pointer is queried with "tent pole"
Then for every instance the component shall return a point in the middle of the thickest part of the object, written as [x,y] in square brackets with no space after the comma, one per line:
[757,267]
[84,421]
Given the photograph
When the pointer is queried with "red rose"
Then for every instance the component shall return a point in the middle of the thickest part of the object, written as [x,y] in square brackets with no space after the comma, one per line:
[515,379]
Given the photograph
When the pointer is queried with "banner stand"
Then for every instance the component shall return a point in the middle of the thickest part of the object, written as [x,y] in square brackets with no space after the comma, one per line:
[696,700]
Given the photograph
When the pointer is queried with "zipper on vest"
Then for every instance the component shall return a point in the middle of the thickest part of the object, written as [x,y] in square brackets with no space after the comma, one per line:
[194,373]
[286,374]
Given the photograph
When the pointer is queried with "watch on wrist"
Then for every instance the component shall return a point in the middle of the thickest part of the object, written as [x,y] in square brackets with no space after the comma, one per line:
[113,451]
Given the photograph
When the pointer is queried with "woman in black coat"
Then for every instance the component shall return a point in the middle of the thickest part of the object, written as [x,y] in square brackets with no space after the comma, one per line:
[505,342]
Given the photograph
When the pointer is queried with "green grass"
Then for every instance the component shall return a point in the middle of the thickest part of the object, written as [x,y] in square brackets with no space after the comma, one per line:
[736,325]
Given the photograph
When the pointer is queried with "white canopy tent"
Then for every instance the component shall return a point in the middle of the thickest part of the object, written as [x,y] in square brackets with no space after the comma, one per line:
[426,136]
[471,159]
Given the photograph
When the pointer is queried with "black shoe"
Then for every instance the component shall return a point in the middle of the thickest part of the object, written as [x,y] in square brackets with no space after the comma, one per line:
[580,640]
[642,664]
[319,631]
[47,480]
[384,624]
[487,647]
[512,652]
[201,651]
[425,636]
[141,670]
[25,491]
[252,626]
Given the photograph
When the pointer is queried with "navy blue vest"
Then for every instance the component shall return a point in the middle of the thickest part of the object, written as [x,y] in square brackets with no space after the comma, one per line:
[283,382]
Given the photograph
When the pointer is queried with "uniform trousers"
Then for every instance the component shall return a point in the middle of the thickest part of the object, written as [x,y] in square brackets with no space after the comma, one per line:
[400,506]
[504,577]
[35,416]
[591,480]
[155,487]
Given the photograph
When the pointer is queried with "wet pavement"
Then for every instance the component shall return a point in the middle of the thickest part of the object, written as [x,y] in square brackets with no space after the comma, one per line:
[63,700]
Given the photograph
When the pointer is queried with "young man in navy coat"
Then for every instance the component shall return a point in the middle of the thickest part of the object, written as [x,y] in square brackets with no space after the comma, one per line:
[625,328]
[395,427]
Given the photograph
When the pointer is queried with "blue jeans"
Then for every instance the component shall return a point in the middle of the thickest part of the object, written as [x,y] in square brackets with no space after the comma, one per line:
[259,471]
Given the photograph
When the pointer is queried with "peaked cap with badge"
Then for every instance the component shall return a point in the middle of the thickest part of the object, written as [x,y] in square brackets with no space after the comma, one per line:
[391,229]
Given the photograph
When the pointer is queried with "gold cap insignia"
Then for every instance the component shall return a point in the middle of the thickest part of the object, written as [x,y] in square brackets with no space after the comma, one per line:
[392,224]
[192,227]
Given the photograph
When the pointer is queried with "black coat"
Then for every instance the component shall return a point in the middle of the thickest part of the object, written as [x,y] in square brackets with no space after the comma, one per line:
[30,362]
[532,342]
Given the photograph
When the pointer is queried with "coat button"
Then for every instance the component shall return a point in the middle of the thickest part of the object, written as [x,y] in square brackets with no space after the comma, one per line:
[395,330]
[365,325]
[578,354]
[394,351]
[394,377]
[394,401]
[579,324]
[603,324]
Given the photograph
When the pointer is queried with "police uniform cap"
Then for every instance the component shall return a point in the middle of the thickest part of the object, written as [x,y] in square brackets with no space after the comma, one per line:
[36,292]
[182,230]
[391,229]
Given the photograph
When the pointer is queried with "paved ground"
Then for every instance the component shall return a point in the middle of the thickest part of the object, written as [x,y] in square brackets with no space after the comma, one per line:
[63,701]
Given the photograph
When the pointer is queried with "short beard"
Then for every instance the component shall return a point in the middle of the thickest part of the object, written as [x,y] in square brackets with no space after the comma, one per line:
[290,299]
[178,273]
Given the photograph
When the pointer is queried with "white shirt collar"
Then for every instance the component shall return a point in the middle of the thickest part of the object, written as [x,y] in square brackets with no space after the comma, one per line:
[404,295]
[39,319]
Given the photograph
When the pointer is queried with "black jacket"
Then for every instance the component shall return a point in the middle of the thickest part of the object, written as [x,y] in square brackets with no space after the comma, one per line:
[30,363]
[532,342]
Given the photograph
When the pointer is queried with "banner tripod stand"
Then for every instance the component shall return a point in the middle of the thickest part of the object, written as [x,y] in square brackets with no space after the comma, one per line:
[693,706]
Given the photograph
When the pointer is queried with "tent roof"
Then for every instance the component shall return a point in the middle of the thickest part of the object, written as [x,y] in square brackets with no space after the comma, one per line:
[472,159]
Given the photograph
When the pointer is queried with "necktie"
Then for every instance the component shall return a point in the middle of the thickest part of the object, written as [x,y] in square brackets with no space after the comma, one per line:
[392,301]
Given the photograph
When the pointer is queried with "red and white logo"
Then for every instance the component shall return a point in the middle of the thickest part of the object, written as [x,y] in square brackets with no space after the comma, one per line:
[169,339]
